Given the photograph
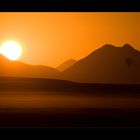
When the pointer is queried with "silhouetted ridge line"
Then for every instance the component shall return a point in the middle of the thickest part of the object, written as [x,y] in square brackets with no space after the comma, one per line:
[66,64]
[20,69]
[108,64]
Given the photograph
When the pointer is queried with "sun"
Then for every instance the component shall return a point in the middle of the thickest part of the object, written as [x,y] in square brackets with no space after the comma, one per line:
[11,49]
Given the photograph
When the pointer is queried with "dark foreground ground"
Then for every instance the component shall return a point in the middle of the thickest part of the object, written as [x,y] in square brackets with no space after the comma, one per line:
[52,103]
[70,118]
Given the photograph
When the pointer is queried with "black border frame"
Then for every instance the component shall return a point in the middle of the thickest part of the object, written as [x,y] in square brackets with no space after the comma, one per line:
[70,6]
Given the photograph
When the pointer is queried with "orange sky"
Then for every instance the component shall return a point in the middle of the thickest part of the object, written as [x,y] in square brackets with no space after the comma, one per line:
[51,38]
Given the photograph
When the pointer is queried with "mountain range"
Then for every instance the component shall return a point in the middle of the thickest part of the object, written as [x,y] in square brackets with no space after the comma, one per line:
[108,64]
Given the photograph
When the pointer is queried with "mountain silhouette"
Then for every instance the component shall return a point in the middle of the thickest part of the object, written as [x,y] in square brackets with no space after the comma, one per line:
[108,64]
[66,65]
[20,69]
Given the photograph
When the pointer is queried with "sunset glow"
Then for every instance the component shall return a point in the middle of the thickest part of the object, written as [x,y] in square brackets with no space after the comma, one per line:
[11,49]
[50,38]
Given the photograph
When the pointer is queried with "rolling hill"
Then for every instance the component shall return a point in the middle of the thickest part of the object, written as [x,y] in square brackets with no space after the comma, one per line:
[20,69]
[106,65]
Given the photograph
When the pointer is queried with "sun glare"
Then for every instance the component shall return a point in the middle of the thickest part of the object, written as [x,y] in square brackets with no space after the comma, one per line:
[11,49]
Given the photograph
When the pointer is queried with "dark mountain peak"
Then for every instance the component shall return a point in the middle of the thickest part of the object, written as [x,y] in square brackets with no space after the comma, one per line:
[66,64]
[127,46]
[107,46]
[105,49]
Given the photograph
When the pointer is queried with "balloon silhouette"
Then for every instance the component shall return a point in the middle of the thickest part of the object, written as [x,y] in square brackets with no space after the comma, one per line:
[129,61]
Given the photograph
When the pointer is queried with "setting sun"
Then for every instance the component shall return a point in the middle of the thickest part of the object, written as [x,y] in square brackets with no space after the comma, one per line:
[11,49]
